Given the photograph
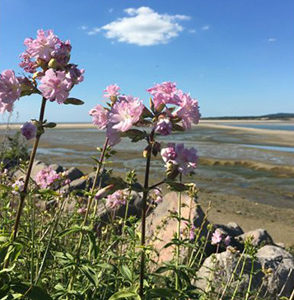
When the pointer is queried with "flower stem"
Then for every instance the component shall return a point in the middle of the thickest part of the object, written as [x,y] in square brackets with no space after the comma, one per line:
[89,204]
[143,214]
[178,236]
[28,174]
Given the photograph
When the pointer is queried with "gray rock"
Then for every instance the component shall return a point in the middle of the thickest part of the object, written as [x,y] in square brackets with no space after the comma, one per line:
[57,168]
[281,280]
[77,184]
[273,273]
[225,270]
[36,168]
[260,237]
[74,173]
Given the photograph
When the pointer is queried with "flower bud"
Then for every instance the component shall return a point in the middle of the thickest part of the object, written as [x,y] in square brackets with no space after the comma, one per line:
[102,193]
[53,63]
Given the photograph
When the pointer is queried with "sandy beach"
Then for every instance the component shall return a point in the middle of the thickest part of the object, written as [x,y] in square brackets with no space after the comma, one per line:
[247,185]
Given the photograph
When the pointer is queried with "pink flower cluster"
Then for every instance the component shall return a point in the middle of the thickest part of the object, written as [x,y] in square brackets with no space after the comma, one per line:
[46,177]
[123,114]
[28,130]
[111,91]
[116,200]
[18,187]
[186,109]
[218,237]
[10,90]
[185,159]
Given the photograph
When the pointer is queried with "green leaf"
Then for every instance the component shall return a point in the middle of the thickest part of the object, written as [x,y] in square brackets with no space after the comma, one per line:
[125,294]
[126,273]
[134,134]
[73,229]
[90,274]
[147,113]
[50,125]
[177,186]
[73,101]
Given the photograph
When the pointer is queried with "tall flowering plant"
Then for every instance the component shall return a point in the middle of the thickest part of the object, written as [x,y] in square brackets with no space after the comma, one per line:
[170,110]
[49,73]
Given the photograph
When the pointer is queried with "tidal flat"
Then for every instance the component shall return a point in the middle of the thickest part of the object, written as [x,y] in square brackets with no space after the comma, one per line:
[246,169]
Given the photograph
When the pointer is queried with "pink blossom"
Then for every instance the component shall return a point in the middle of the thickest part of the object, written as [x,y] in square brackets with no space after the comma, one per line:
[27,64]
[227,240]
[163,126]
[18,186]
[46,177]
[188,110]
[111,90]
[164,93]
[184,158]
[100,116]
[125,113]
[43,46]
[75,75]
[62,52]
[192,233]
[5,107]
[169,153]
[28,130]
[10,89]
[55,86]
[82,210]
[103,192]
[216,237]
[115,200]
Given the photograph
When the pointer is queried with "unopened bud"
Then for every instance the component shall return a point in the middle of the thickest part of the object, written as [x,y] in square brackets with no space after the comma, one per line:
[103,192]
[53,63]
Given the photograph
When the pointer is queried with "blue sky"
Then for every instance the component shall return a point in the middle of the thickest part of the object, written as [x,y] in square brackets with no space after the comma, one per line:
[235,56]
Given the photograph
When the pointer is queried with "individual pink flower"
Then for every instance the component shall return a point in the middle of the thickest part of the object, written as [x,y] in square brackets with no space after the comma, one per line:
[192,233]
[125,113]
[100,116]
[5,107]
[184,158]
[116,200]
[164,126]
[43,46]
[188,110]
[10,88]
[164,93]
[82,210]
[18,187]
[216,238]
[28,130]
[46,177]
[62,52]
[55,86]
[27,64]
[111,90]
[75,75]
[169,153]
[227,240]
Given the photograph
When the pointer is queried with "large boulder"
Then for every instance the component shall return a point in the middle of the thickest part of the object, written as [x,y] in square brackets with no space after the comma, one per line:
[161,227]
[36,168]
[74,173]
[258,237]
[272,273]
[280,266]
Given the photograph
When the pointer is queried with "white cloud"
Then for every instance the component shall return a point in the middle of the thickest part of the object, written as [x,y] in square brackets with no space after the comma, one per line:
[205,27]
[271,40]
[94,31]
[143,27]
[84,27]
[192,31]
[110,10]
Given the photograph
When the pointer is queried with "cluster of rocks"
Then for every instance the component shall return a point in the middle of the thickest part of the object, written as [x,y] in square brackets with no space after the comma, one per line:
[223,268]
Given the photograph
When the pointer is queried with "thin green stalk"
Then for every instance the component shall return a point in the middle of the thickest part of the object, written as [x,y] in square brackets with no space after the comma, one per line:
[240,276]
[33,237]
[143,215]
[23,194]
[178,236]
[250,280]
[90,199]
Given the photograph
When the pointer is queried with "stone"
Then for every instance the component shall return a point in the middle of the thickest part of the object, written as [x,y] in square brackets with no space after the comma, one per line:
[57,168]
[260,237]
[280,281]
[272,276]
[222,272]
[74,173]
[36,168]
[77,184]
[161,227]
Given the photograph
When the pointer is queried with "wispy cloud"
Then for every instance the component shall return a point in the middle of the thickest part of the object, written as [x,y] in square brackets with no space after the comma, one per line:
[143,27]
[271,40]
[110,10]
[83,27]
[192,31]
[205,27]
